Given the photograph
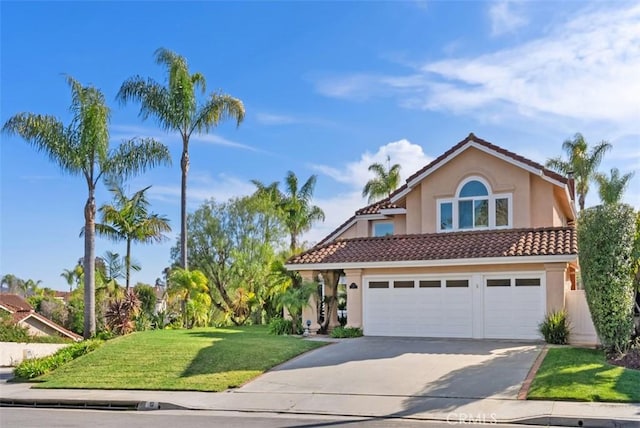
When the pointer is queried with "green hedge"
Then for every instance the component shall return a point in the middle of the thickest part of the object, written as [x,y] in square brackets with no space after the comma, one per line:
[605,242]
[346,332]
[29,369]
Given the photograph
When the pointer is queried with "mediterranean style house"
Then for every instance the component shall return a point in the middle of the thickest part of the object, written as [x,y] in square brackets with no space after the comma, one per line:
[480,243]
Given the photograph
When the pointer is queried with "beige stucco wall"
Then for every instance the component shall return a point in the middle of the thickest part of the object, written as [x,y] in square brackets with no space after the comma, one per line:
[351,232]
[542,202]
[38,328]
[354,297]
[502,176]
[13,353]
[400,224]
[414,211]
[310,312]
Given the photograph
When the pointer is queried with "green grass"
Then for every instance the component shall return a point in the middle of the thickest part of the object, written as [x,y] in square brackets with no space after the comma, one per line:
[206,359]
[583,375]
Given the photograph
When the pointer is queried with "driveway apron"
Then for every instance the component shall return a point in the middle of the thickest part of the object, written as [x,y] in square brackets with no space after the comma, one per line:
[411,367]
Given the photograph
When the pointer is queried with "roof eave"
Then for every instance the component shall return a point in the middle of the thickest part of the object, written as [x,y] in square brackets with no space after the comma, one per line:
[562,258]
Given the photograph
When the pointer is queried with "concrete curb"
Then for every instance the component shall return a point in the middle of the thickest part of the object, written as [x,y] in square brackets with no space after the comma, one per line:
[90,404]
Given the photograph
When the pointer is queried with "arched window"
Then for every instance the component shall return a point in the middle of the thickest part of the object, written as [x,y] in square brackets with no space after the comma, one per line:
[474,207]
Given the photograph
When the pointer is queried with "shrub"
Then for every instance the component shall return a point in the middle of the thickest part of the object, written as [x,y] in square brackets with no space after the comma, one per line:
[346,332]
[605,242]
[10,331]
[280,326]
[555,328]
[29,369]
[121,313]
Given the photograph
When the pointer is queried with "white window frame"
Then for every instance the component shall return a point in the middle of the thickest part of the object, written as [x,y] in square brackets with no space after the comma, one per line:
[373,228]
[492,207]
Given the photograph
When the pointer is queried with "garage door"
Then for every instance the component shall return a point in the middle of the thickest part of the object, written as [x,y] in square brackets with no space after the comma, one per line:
[480,306]
[429,307]
[513,306]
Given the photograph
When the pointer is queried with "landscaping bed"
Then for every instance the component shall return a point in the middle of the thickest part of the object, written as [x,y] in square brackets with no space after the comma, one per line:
[629,360]
[204,359]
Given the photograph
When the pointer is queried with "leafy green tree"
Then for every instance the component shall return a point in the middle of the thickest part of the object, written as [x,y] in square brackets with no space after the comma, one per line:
[386,180]
[233,244]
[147,296]
[606,238]
[176,108]
[82,148]
[190,286]
[582,163]
[611,189]
[128,219]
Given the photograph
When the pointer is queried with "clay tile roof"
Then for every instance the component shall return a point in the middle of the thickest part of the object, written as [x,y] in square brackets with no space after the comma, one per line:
[376,207]
[445,246]
[15,302]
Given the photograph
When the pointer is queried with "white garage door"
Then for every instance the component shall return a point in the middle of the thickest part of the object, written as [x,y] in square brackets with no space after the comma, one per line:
[513,306]
[503,306]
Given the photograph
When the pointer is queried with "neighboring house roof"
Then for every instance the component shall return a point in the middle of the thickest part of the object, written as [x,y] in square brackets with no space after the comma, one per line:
[21,311]
[460,246]
[375,207]
[14,302]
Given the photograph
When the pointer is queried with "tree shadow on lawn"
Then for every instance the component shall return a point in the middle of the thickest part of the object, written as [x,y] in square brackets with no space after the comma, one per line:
[627,384]
[254,352]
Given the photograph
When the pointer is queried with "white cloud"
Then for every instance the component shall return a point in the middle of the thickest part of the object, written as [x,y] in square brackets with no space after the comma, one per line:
[583,70]
[221,141]
[354,175]
[504,19]
[410,156]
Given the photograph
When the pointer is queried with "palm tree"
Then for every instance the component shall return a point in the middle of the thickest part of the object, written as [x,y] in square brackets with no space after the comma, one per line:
[191,288]
[582,163]
[386,180]
[82,148]
[72,276]
[612,188]
[128,219]
[298,213]
[176,108]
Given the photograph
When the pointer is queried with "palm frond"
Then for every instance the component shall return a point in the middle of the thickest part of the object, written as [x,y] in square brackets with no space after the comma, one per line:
[217,108]
[136,155]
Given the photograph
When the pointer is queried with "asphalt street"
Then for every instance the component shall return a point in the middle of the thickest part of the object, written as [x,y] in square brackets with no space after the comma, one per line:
[71,418]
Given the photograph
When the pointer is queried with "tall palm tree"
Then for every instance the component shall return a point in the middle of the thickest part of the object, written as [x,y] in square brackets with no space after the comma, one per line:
[298,212]
[176,108]
[82,148]
[612,188]
[72,276]
[386,180]
[582,163]
[129,220]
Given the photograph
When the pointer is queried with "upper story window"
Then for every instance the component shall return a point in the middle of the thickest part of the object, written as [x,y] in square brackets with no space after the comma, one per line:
[382,229]
[474,207]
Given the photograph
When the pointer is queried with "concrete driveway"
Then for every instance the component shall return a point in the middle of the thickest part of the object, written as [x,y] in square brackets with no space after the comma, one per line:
[409,367]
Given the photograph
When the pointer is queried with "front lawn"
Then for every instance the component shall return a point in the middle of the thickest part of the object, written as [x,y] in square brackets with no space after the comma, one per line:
[583,375]
[206,359]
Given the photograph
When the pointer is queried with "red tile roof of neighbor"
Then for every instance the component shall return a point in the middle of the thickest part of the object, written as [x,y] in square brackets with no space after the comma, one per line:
[23,310]
[15,302]
[445,246]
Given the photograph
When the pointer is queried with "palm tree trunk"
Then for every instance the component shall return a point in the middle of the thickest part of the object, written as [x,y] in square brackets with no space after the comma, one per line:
[89,266]
[127,263]
[184,164]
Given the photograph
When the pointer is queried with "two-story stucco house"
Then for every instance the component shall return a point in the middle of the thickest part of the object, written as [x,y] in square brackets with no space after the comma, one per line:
[480,243]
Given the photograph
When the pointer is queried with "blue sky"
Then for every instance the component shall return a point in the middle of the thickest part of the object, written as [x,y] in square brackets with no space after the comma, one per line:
[329,87]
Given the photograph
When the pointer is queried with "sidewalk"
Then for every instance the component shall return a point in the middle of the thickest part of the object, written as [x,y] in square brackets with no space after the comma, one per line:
[454,411]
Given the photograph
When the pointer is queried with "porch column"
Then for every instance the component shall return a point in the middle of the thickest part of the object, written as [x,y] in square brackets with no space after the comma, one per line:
[556,285]
[354,297]
[310,312]
[331,279]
